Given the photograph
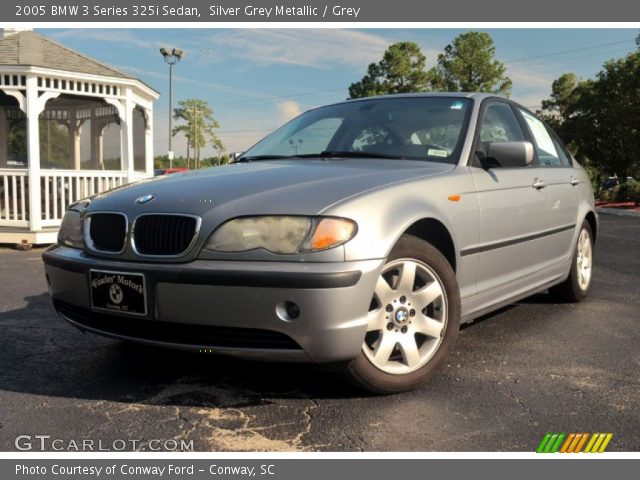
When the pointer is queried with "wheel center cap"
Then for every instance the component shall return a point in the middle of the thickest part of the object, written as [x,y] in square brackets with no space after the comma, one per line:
[401,316]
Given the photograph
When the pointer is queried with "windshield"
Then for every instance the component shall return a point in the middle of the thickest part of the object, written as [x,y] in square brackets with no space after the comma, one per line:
[417,128]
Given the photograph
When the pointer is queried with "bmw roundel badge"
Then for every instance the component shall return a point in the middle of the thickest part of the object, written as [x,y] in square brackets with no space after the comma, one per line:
[144,199]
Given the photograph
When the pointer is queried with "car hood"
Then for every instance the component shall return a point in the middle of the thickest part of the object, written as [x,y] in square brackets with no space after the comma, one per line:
[295,187]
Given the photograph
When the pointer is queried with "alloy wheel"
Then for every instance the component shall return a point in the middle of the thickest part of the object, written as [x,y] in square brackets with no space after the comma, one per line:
[584,259]
[407,317]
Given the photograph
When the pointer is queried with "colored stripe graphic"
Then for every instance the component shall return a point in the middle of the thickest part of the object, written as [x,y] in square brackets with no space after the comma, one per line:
[581,443]
[567,442]
[551,443]
[558,442]
[591,443]
[576,439]
[598,442]
[606,441]
[543,443]
[574,442]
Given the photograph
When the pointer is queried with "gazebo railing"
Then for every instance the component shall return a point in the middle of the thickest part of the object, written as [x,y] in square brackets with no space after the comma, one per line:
[58,189]
[14,197]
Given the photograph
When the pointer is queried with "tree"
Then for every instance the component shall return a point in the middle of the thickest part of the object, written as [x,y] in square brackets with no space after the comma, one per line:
[198,126]
[560,110]
[162,161]
[468,65]
[599,119]
[401,70]
[562,103]
[608,116]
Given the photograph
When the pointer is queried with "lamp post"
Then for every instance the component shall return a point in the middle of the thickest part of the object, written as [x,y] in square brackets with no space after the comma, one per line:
[171,57]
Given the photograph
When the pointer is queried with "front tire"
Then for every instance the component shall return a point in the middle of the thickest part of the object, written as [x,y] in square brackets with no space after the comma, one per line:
[577,285]
[414,318]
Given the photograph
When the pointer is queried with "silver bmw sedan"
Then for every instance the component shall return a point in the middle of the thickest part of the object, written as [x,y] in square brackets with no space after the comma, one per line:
[360,234]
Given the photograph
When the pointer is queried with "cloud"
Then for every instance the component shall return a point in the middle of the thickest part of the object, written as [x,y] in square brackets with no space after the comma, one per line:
[317,48]
[532,102]
[288,110]
[527,79]
[208,85]
[125,38]
[529,88]
[192,45]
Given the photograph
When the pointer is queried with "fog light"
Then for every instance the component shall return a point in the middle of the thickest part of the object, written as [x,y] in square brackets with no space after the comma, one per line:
[287,311]
[293,310]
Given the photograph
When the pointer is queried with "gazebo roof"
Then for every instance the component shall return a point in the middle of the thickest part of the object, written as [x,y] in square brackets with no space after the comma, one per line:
[27,48]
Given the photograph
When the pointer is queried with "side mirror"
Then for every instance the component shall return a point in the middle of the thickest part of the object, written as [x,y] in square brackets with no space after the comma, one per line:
[234,156]
[510,154]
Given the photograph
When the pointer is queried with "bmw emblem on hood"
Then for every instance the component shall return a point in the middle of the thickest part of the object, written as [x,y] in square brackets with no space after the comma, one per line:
[144,199]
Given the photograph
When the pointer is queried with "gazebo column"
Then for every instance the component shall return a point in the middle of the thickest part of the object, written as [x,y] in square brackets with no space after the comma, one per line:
[101,148]
[103,125]
[126,131]
[35,106]
[33,149]
[148,141]
[125,112]
[4,138]
[77,158]
[74,138]
[95,141]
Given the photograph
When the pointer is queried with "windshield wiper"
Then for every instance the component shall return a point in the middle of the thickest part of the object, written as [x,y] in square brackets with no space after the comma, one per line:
[324,154]
[355,154]
[263,157]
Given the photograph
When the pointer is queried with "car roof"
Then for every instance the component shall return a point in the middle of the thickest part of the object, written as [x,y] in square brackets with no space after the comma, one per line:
[472,95]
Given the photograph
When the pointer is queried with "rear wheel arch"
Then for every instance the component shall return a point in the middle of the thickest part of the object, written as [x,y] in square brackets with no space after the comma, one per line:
[577,285]
[593,223]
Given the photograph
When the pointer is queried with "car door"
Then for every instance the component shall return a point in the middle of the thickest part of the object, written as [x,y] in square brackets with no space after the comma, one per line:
[561,187]
[512,204]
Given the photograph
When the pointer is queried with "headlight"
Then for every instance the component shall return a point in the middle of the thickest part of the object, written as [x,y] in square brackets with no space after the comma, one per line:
[281,234]
[70,233]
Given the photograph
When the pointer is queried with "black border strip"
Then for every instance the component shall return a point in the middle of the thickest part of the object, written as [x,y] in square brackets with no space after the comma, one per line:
[515,241]
[223,278]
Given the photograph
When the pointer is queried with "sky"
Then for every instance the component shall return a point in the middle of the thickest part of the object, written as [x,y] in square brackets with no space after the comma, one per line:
[257,79]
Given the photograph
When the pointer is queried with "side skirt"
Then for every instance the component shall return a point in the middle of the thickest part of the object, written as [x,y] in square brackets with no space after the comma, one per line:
[488,301]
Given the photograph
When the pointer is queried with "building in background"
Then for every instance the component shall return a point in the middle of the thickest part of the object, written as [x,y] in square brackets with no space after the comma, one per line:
[70,127]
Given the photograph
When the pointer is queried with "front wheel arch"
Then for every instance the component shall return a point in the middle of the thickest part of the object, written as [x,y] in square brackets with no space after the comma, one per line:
[436,234]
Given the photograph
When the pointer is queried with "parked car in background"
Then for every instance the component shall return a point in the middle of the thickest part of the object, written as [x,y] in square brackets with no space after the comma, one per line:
[168,171]
[360,234]
[610,183]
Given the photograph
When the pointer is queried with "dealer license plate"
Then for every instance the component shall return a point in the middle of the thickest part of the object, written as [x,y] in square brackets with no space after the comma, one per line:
[118,292]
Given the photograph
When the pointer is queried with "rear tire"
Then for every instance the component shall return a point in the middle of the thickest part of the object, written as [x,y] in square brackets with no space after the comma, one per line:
[414,320]
[577,285]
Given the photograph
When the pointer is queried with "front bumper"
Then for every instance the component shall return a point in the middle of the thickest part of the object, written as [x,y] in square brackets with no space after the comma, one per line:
[229,307]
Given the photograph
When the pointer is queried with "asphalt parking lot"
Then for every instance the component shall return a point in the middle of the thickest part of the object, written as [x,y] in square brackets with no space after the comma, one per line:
[516,374]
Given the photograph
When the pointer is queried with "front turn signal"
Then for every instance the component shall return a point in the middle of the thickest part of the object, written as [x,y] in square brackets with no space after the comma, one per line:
[331,232]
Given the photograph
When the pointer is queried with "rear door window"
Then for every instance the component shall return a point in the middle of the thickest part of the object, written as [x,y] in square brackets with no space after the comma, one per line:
[550,153]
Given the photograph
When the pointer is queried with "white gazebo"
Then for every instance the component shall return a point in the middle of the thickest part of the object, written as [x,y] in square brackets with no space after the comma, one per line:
[70,127]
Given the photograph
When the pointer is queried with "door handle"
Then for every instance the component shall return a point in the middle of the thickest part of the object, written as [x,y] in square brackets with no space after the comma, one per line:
[538,184]
[574,181]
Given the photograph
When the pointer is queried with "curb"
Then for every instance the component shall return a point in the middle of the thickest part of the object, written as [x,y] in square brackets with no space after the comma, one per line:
[617,211]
